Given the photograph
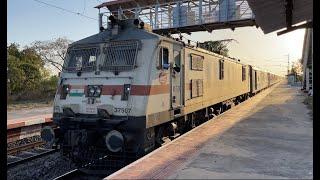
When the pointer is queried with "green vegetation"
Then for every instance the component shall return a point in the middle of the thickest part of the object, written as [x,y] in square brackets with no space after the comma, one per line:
[28,78]
[296,69]
[215,46]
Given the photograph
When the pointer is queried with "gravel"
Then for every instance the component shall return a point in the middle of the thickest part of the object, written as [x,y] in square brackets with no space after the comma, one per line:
[47,167]
[24,141]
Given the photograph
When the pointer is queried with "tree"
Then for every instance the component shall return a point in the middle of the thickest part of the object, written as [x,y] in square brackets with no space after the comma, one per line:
[52,52]
[13,49]
[28,79]
[215,46]
[16,75]
[296,67]
[25,69]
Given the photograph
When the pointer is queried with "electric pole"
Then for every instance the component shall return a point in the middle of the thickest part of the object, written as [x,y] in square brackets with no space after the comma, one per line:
[288,64]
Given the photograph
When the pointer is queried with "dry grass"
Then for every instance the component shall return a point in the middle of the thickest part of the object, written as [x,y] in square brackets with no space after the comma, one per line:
[28,104]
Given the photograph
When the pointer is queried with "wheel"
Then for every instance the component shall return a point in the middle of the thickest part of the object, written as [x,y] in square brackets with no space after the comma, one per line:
[159,136]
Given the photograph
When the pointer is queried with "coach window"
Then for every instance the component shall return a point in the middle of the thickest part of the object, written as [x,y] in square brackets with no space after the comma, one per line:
[164,58]
[243,73]
[221,69]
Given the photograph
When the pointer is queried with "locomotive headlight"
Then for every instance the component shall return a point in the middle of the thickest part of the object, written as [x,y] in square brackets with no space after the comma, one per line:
[94,91]
[91,91]
[98,91]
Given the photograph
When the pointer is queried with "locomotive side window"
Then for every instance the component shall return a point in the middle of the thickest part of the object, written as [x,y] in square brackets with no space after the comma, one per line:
[243,73]
[177,58]
[164,58]
[196,62]
[221,69]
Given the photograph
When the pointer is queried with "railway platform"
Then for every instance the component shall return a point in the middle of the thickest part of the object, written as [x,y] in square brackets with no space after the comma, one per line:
[27,123]
[268,136]
[27,117]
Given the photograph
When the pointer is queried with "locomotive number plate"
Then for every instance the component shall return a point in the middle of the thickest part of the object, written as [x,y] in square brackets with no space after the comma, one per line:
[91,109]
[122,110]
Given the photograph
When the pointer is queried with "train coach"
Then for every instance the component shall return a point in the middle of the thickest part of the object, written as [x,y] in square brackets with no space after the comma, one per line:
[125,91]
[260,80]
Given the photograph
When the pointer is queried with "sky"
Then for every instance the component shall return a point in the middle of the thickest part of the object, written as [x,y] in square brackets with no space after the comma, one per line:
[30,20]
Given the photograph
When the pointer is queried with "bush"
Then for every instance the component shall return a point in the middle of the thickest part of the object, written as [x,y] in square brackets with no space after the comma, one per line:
[27,77]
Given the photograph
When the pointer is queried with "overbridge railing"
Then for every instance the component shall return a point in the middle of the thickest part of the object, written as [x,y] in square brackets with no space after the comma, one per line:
[181,14]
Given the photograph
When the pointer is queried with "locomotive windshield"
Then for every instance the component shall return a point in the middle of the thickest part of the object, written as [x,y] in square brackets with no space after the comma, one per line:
[116,56]
[83,59]
[120,55]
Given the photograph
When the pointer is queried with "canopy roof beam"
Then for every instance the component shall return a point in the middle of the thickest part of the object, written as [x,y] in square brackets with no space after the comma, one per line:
[292,28]
[289,8]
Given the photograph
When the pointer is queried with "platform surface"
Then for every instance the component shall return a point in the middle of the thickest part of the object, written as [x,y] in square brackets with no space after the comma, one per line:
[17,114]
[24,117]
[268,136]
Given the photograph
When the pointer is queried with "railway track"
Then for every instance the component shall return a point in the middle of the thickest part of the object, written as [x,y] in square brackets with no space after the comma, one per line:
[24,141]
[25,156]
[76,174]
[24,147]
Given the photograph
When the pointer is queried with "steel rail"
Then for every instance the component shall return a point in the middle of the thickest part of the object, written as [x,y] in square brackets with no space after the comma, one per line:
[73,174]
[20,161]
[24,147]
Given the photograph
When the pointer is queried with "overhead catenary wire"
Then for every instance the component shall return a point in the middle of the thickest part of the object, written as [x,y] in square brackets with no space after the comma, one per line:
[66,10]
[84,6]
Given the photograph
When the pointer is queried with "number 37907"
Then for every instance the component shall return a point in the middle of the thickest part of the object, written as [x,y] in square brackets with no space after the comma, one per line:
[122,110]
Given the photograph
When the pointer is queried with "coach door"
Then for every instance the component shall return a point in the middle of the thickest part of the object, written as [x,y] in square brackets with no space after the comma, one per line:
[176,75]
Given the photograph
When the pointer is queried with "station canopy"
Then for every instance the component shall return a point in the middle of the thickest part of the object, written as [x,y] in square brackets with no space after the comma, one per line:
[273,15]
